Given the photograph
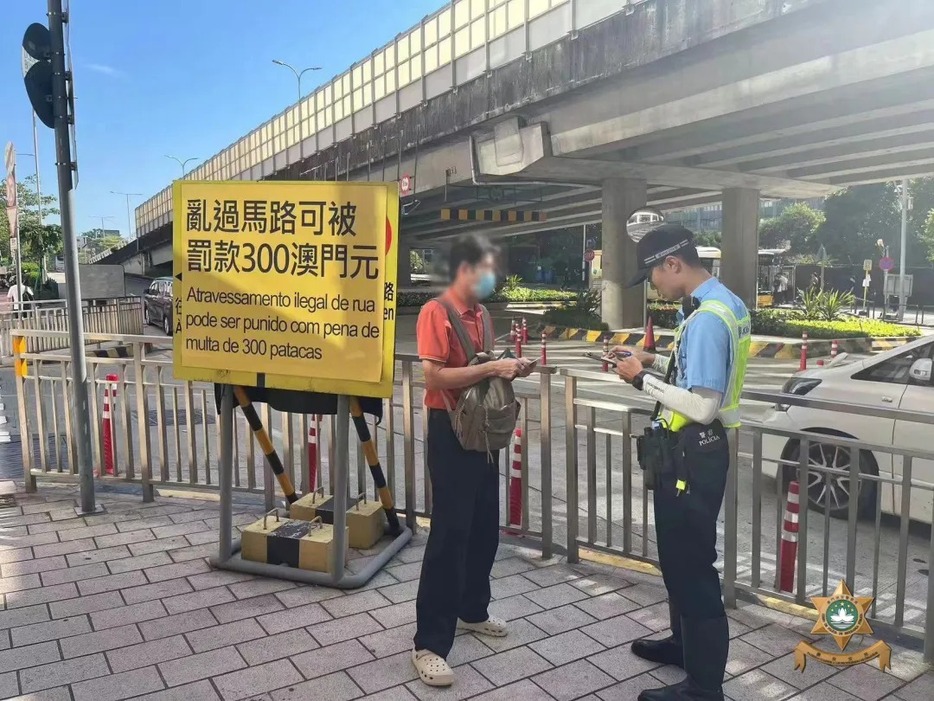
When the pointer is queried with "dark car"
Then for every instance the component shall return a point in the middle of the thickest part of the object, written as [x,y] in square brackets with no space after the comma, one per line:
[157,304]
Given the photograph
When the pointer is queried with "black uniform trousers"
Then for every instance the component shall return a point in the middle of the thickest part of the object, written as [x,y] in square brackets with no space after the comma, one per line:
[686,523]
[464,536]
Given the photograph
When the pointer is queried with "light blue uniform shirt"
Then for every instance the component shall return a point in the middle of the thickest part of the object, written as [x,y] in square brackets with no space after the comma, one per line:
[704,354]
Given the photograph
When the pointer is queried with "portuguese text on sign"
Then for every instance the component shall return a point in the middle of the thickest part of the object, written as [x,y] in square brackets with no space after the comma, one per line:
[285,280]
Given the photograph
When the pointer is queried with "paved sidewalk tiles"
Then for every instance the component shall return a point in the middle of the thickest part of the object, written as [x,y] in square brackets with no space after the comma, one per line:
[124,605]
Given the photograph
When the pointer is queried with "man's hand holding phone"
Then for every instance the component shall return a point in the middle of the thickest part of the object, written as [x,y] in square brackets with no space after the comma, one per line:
[620,352]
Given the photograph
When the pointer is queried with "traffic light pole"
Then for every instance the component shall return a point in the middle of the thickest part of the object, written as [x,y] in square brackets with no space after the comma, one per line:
[79,369]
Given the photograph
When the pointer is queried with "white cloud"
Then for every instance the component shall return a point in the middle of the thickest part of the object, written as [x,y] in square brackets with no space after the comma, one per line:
[104,69]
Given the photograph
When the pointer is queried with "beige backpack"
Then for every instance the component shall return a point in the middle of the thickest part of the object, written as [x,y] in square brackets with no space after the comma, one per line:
[486,413]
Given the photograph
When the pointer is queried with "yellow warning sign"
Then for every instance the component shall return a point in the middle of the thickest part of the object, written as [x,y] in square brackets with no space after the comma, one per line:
[286,284]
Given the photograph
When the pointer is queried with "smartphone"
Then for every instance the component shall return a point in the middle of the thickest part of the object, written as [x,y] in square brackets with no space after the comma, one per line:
[600,358]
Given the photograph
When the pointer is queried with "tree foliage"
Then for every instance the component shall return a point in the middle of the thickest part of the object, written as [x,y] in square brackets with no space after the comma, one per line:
[36,239]
[95,244]
[795,228]
[856,217]
[927,237]
[708,238]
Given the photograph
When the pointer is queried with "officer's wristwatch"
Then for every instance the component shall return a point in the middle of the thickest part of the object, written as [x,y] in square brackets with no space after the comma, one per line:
[638,379]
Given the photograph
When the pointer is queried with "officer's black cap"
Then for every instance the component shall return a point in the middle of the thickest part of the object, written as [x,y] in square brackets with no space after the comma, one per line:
[659,243]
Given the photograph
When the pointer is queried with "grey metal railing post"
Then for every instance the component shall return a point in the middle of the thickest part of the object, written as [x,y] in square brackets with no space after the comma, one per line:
[142,421]
[627,483]
[545,434]
[730,537]
[570,417]
[408,444]
[225,475]
[929,620]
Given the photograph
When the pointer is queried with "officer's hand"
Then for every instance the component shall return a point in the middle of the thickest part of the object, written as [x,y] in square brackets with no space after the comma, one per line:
[528,365]
[628,368]
[645,358]
[507,368]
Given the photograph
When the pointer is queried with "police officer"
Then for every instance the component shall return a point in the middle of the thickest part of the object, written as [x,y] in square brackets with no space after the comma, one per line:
[699,403]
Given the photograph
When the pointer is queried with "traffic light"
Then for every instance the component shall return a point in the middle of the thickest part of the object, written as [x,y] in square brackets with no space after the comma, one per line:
[37,47]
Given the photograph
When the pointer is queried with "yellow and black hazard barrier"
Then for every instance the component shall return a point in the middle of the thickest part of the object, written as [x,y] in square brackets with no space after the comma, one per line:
[501,216]
[365,520]
[372,459]
[272,457]
[19,349]
[307,545]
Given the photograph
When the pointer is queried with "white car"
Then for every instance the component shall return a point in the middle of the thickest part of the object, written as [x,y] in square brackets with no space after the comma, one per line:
[900,378]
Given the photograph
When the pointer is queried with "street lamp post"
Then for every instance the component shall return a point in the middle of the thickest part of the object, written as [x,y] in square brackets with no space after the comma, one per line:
[301,119]
[181,162]
[129,221]
[902,280]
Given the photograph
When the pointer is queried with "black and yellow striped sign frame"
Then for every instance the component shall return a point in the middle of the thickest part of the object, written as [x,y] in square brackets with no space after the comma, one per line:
[498,216]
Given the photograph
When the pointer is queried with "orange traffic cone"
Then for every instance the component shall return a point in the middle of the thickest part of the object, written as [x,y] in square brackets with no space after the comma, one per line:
[648,343]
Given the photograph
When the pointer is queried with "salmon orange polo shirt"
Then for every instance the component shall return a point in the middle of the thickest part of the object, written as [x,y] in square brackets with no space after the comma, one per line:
[438,342]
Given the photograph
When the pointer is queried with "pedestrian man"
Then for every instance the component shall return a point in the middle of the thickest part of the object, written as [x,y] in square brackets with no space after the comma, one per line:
[686,455]
[454,589]
[17,295]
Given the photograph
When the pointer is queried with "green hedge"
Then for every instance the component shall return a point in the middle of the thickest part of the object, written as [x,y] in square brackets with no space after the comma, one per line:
[516,294]
[774,322]
[771,323]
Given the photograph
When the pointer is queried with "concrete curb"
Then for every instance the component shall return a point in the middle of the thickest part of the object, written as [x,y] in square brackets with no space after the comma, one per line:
[781,350]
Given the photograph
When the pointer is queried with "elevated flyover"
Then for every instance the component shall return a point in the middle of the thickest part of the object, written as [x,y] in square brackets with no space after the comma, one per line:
[586,110]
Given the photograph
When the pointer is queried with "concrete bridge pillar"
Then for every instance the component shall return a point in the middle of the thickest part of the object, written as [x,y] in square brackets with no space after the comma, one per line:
[622,308]
[739,260]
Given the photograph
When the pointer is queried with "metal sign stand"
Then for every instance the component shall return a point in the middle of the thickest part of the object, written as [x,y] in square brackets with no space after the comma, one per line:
[228,556]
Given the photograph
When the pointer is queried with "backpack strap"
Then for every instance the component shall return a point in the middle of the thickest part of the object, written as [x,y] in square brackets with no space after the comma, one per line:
[488,340]
[459,330]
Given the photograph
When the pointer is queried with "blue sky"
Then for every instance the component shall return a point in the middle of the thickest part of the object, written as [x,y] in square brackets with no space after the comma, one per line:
[180,77]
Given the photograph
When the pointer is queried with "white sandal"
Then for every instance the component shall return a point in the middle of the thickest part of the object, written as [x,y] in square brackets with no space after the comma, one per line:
[493,627]
[432,669]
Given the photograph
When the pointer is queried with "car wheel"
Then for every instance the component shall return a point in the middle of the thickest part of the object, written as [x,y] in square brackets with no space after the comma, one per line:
[832,492]
[166,325]
[146,318]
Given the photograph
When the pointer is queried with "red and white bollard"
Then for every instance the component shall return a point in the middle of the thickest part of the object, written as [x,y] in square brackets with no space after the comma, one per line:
[313,427]
[512,331]
[606,352]
[803,365]
[789,551]
[525,331]
[515,486]
[517,334]
[544,350]
[110,397]
[834,348]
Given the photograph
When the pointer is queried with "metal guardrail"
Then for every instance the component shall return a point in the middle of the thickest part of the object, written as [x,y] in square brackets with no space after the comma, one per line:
[165,436]
[121,315]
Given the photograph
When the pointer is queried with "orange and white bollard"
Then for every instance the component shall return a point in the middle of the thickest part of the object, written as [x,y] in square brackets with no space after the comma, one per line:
[544,350]
[525,331]
[606,352]
[110,397]
[803,365]
[515,486]
[313,465]
[789,551]
[834,348]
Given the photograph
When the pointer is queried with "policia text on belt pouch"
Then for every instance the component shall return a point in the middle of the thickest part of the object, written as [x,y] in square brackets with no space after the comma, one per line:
[685,454]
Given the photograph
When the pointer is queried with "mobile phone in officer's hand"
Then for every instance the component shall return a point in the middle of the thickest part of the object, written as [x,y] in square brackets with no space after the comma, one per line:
[610,358]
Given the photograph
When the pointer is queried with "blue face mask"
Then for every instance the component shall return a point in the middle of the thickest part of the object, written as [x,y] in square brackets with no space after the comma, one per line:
[486,285]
